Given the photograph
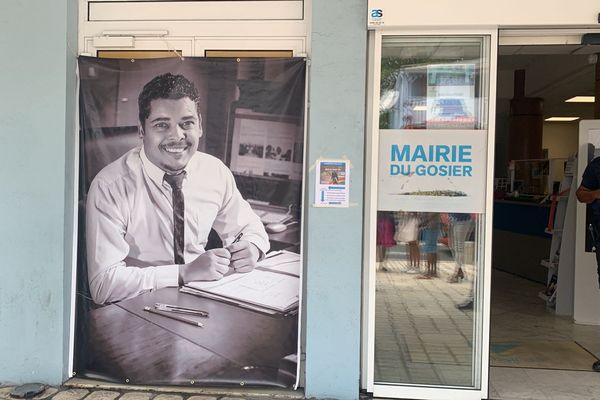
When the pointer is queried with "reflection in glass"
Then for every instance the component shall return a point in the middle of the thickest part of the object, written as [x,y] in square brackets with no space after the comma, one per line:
[428,316]
[431,84]
[426,272]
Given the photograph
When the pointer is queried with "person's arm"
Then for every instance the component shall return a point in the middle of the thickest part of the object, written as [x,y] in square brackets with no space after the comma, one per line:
[585,192]
[110,279]
[208,266]
[586,195]
[236,216]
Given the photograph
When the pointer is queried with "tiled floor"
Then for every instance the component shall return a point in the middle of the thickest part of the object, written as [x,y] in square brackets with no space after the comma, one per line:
[543,384]
[518,314]
[421,337]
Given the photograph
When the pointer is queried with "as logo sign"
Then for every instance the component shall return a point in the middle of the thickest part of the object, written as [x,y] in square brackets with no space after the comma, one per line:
[376,13]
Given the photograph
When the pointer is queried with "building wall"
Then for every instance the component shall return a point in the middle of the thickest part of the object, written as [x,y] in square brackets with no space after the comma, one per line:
[38,85]
[560,138]
[38,144]
[334,236]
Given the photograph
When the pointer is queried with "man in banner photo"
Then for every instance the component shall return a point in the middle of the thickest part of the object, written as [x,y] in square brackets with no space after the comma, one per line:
[149,213]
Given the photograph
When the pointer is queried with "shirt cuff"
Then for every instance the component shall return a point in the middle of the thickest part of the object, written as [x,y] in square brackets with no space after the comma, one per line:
[261,243]
[166,276]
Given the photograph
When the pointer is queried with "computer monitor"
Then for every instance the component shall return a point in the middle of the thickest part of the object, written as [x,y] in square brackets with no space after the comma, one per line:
[266,155]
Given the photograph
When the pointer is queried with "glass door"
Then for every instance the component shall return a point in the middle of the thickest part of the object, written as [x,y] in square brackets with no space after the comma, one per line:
[429,215]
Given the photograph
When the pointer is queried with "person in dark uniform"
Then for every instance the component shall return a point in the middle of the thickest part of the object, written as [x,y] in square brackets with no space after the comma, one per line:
[589,193]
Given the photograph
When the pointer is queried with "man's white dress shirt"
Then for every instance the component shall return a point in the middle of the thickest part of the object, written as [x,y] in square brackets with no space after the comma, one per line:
[129,222]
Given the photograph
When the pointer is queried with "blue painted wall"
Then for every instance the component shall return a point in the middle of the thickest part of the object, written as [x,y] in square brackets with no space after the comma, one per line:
[37,43]
[334,236]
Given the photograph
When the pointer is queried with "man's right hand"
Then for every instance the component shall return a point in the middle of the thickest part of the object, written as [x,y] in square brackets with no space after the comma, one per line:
[209,266]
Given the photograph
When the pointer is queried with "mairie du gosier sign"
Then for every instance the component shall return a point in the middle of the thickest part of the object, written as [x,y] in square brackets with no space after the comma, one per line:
[432,170]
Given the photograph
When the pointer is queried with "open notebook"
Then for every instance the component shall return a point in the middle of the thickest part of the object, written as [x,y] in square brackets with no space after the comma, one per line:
[272,287]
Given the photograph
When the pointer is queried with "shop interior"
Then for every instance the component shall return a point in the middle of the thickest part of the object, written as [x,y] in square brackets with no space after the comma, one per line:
[426,319]
[543,92]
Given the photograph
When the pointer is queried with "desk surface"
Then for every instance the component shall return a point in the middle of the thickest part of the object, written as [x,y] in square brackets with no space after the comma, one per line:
[289,239]
[235,345]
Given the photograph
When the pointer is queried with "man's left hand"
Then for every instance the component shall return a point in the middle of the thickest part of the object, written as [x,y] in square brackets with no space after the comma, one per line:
[244,256]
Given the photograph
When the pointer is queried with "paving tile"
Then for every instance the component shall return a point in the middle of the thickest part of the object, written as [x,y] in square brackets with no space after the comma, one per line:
[5,392]
[136,396]
[102,395]
[202,398]
[71,394]
[168,397]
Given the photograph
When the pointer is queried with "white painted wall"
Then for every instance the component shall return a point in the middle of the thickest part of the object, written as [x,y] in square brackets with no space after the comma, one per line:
[505,13]
[560,138]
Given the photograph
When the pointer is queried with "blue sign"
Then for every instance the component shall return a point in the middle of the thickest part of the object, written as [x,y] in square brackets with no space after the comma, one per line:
[376,13]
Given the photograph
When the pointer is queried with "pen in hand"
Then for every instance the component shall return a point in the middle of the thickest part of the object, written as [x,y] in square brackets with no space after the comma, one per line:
[238,237]
[243,257]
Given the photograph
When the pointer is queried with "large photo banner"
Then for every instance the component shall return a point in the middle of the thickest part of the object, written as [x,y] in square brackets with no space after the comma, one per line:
[432,170]
[190,184]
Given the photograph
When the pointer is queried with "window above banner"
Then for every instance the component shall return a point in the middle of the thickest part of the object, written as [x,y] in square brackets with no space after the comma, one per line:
[157,10]
[194,27]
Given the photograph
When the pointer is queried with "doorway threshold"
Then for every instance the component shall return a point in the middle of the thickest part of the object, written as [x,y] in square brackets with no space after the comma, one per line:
[254,392]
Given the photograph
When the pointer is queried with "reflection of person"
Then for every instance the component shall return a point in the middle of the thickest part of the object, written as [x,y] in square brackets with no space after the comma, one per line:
[149,213]
[460,227]
[407,231]
[430,231]
[334,178]
[385,236]
[589,192]
[408,116]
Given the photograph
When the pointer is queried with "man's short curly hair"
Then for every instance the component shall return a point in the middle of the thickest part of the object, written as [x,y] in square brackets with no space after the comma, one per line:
[166,86]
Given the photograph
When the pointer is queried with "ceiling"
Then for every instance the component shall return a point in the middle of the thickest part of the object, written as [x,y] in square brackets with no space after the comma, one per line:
[552,72]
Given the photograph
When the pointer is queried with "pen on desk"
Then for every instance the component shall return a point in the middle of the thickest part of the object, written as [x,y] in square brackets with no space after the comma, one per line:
[238,237]
[273,254]
[179,309]
[175,317]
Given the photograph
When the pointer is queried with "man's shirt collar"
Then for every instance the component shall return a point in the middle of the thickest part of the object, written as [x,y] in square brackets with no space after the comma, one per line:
[155,173]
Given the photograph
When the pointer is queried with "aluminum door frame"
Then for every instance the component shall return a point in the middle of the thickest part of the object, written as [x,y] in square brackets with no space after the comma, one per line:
[482,337]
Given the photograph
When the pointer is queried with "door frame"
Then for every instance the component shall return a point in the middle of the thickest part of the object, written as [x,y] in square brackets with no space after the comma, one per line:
[482,335]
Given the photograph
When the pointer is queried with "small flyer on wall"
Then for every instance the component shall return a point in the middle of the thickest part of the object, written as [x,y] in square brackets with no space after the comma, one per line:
[332,183]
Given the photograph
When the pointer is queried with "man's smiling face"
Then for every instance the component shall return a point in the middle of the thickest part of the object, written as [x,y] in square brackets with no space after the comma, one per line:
[171,133]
